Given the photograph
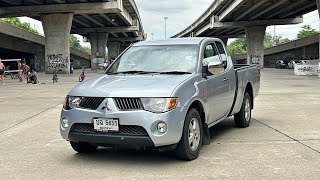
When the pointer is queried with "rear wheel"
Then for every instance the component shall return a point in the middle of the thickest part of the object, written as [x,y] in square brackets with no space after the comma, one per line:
[191,141]
[243,117]
[82,147]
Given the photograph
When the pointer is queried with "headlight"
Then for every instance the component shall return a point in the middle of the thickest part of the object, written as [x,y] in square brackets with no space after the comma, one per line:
[72,102]
[159,105]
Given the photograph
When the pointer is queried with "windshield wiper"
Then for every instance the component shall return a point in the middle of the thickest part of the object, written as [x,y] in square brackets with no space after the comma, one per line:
[175,72]
[132,72]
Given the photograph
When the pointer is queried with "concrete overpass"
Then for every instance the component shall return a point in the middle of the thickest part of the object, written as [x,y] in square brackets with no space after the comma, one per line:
[248,18]
[17,43]
[112,23]
[301,49]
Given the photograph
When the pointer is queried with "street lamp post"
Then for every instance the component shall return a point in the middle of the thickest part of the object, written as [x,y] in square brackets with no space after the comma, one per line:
[165,27]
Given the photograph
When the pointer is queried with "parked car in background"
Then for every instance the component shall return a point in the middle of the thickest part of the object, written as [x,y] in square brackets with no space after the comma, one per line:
[292,63]
[280,64]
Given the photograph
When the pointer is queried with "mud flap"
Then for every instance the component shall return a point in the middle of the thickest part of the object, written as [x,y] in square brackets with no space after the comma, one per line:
[206,135]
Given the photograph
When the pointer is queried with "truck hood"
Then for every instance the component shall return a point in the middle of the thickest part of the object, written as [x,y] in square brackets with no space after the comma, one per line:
[129,86]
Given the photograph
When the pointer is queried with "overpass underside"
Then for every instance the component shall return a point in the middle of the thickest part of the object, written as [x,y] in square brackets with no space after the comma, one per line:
[248,18]
[112,23]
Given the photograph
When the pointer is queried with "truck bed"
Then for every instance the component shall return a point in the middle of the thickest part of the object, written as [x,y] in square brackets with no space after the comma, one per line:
[245,74]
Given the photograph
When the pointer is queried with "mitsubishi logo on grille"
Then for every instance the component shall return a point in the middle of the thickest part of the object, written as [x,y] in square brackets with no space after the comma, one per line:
[107,106]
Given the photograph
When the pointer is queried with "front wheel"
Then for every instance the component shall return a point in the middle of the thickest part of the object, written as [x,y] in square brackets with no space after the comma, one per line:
[243,117]
[191,141]
[82,147]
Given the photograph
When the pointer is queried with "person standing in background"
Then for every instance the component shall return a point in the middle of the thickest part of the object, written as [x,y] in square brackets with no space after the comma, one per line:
[19,71]
[2,68]
[25,70]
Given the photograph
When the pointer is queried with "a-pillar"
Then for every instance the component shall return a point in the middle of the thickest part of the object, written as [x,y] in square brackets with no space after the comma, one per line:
[114,50]
[98,43]
[318,4]
[255,38]
[57,29]
[225,41]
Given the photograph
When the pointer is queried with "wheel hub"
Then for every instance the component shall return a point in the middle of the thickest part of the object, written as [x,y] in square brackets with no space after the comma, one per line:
[194,134]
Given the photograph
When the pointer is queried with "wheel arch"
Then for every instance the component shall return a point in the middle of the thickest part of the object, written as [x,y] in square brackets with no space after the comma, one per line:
[196,104]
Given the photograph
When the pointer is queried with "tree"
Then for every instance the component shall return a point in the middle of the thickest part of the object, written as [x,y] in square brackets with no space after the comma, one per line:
[75,43]
[238,46]
[306,32]
[268,40]
[16,22]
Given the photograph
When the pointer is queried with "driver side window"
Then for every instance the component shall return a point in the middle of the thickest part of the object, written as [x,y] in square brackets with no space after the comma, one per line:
[211,59]
[210,54]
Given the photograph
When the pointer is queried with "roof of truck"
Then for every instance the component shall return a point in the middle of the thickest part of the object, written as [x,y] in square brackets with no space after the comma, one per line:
[174,41]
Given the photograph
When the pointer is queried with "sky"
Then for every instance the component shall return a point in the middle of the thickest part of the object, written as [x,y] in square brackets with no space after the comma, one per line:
[183,13]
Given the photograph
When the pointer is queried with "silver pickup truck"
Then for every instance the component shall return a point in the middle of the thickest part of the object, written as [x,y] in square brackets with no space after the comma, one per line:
[161,94]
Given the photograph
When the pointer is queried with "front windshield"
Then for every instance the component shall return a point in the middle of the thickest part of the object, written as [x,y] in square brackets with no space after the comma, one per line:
[171,58]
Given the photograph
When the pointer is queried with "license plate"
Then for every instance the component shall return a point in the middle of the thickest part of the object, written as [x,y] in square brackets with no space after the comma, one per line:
[106,125]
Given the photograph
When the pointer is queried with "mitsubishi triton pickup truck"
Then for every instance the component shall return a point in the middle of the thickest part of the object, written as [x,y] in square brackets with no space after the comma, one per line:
[162,94]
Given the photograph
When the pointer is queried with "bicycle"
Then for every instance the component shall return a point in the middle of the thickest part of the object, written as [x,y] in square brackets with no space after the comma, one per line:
[82,76]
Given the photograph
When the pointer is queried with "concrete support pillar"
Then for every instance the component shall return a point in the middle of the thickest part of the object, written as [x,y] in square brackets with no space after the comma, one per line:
[57,29]
[98,43]
[255,38]
[225,41]
[123,47]
[113,50]
[318,4]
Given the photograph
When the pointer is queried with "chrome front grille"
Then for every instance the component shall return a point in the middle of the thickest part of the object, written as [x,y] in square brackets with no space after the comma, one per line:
[91,102]
[123,130]
[128,104]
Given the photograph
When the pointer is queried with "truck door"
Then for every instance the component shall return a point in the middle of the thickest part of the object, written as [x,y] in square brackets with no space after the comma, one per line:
[217,84]
[228,78]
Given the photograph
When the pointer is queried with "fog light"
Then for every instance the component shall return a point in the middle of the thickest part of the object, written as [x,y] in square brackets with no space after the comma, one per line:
[162,127]
[64,123]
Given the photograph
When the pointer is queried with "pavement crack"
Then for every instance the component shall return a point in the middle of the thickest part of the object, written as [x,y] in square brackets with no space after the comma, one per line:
[296,140]
[24,120]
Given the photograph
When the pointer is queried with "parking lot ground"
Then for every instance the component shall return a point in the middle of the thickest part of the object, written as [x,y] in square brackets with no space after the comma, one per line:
[283,141]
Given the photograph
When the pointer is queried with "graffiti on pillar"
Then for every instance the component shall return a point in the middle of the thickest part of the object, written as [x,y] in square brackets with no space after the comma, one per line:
[311,70]
[36,62]
[57,62]
[255,58]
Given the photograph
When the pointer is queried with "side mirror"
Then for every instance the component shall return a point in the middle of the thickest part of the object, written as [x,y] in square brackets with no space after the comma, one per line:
[215,64]
[216,67]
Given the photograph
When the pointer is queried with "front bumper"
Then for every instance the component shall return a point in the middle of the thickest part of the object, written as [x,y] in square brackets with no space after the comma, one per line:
[148,120]
[111,139]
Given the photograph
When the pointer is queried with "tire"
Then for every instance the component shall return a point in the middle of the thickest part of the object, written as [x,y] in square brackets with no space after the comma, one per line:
[190,151]
[243,117]
[82,147]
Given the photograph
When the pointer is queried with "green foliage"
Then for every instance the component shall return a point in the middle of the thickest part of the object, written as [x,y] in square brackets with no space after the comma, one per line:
[306,32]
[238,46]
[75,43]
[268,40]
[16,22]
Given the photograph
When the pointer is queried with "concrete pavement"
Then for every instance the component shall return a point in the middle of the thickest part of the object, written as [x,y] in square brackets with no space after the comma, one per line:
[283,141]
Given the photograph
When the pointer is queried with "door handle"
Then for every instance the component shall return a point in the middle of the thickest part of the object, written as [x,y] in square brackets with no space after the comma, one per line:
[225,79]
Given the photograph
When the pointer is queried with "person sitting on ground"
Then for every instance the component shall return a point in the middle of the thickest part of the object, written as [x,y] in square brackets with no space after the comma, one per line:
[33,77]
[2,68]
